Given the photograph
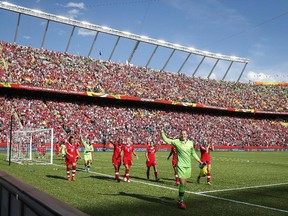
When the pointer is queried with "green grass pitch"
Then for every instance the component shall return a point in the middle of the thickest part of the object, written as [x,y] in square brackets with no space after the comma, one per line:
[243,183]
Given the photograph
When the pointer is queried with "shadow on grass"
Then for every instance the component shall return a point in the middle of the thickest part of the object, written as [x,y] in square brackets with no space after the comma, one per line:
[56,177]
[153,199]
[148,198]
[100,177]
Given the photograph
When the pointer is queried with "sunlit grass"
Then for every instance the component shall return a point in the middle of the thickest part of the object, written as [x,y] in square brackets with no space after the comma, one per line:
[98,193]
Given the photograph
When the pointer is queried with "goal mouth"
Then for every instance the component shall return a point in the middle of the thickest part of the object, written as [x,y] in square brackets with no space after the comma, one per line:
[31,146]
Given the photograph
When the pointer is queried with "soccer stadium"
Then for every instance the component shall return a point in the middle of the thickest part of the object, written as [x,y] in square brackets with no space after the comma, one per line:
[109,96]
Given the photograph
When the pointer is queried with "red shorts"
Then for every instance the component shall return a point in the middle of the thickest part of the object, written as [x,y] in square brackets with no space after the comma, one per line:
[116,161]
[150,163]
[69,160]
[206,160]
[127,161]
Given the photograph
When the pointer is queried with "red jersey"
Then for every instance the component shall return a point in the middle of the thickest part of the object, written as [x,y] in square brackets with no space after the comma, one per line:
[128,150]
[151,152]
[72,150]
[174,158]
[205,155]
[57,148]
[117,151]
[174,153]
[116,157]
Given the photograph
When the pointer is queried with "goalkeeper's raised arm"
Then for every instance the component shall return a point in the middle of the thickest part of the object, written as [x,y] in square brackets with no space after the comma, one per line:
[165,138]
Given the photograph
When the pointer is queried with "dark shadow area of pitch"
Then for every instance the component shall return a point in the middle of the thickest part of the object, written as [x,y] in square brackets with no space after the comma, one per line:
[100,177]
[160,200]
[151,180]
[56,177]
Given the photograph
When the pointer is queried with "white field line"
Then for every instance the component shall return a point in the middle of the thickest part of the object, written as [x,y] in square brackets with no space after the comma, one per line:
[204,193]
[242,188]
[244,203]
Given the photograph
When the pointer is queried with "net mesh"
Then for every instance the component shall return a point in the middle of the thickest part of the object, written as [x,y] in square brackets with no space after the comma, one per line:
[31,146]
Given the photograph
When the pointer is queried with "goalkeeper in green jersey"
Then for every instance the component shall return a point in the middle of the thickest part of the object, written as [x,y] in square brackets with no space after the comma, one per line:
[88,154]
[63,149]
[184,149]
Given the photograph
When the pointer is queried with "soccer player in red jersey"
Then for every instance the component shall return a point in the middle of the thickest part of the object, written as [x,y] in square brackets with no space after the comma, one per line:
[116,157]
[205,149]
[57,149]
[174,163]
[128,150]
[151,160]
[72,154]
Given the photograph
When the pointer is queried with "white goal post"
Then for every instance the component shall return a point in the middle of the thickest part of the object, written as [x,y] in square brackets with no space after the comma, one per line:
[31,145]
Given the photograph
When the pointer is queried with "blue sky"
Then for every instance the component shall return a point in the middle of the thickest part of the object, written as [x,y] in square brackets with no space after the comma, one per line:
[253,29]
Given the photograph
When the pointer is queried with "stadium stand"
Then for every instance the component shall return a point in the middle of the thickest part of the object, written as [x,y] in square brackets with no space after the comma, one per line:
[68,72]
[102,122]
[63,71]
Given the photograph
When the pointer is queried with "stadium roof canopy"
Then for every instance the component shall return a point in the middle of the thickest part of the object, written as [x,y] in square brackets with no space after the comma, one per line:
[171,48]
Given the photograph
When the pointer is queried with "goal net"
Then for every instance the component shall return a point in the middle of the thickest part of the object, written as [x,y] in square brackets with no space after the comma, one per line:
[31,146]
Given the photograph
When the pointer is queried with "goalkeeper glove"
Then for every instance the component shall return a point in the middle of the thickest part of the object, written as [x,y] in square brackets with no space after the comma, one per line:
[201,165]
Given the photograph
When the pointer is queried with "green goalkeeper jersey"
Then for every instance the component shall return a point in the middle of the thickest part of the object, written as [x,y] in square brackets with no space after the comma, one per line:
[184,151]
[87,148]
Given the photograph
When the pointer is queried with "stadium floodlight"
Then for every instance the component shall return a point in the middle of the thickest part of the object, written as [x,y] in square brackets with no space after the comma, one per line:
[62,17]
[144,37]
[86,23]
[161,41]
[37,11]
[127,33]
[105,27]
[7,3]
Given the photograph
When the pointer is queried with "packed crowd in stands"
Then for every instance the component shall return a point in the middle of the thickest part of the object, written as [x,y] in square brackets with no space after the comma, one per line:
[103,123]
[47,69]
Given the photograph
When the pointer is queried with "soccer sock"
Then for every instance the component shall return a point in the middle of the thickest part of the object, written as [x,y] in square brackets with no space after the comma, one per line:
[68,171]
[127,173]
[156,174]
[73,170]
[182,189]
[176,178]
[208,177]
[116,174]
[148,174]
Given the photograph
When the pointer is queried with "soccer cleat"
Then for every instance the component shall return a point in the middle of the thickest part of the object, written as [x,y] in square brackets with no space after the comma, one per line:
[68,178]
[125,179]
[181,205]
[128,180]
[73,178]
[209,183]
